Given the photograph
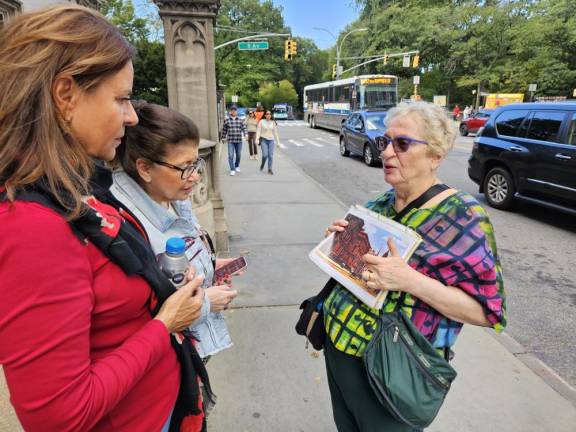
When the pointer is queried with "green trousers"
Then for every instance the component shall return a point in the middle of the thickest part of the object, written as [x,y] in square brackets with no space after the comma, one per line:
[354,405]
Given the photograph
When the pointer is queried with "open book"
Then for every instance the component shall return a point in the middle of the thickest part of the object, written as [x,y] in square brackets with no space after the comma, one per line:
[340,254]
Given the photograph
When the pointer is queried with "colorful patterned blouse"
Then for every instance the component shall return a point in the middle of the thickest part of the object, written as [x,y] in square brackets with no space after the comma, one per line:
[458,249]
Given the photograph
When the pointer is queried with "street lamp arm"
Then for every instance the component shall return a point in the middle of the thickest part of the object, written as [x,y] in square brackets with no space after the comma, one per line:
[348,34]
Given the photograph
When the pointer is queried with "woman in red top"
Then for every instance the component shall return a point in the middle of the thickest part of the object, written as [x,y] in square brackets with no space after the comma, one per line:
[86,317]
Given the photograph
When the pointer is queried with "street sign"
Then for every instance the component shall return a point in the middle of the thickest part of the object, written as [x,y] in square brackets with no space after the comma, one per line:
[253,45]
[532,87]
[416,79]
[406,61]
[234,98]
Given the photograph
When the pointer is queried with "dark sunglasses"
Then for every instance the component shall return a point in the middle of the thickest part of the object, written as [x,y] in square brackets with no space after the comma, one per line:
[400,143]
[187,171]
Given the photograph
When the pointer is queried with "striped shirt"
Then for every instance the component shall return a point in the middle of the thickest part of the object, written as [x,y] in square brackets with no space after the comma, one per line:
[234,129]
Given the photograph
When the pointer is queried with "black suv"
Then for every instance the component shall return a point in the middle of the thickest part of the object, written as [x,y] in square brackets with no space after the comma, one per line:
[528,151]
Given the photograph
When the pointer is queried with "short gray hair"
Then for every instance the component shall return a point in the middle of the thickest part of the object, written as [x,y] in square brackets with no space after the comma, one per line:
[432,120]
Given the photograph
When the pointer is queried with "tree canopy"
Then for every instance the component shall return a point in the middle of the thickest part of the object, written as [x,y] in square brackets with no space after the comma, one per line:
[498,45]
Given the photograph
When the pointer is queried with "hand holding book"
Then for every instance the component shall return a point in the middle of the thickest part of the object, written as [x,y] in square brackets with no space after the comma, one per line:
[389,272]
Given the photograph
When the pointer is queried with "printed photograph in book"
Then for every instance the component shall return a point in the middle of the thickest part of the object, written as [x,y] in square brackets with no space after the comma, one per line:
[340,254]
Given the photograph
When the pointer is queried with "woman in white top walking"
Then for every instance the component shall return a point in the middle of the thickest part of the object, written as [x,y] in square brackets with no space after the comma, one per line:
[268,131]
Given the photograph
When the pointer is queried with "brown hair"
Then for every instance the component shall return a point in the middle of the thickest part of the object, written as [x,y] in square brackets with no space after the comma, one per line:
[35,142]
[157,128]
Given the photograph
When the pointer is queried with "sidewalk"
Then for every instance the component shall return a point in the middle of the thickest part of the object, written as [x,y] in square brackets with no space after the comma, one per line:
[268,382]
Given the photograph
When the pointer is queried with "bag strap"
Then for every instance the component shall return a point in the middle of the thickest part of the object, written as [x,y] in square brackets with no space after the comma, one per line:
[430,193]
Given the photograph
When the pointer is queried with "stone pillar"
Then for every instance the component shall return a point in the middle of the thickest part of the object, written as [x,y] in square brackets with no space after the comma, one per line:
[191,76]
[8,9]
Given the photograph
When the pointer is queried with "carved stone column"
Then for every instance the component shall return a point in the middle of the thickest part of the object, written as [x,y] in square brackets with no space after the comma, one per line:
[191,75]
[8,9]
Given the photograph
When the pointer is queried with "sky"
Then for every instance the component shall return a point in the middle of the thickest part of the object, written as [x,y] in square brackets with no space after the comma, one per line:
[302,15]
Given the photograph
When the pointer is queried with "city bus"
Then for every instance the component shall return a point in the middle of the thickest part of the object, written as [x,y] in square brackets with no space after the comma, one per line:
[328,104]
[283,111]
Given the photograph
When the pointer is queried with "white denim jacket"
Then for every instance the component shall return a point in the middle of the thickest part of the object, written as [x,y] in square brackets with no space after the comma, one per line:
[160,225]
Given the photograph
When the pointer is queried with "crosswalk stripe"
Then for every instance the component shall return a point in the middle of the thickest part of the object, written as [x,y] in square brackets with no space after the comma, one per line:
[297,144]
[315,144]
[332,142]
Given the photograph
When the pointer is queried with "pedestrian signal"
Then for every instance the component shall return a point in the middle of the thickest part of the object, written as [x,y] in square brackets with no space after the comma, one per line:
[416,61]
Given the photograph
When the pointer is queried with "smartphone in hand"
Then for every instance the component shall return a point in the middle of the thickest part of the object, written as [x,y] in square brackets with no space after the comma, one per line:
[229,269]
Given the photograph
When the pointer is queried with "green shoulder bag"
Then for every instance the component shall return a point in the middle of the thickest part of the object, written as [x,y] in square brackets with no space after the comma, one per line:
[409,377]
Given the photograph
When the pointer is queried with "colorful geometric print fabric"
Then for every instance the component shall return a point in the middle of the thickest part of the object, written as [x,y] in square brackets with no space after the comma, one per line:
[458,249]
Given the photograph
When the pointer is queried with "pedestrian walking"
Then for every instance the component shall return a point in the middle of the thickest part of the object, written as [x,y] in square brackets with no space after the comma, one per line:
[268,133]
[85,309]
[252,126]
[453,277]
[456,112]
[259,113]
[467,112]
[233,131]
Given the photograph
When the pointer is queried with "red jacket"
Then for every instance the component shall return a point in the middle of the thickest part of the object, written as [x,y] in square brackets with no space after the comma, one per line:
[79,348]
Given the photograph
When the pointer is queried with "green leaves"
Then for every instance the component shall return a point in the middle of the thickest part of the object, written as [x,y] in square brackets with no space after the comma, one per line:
[505,45]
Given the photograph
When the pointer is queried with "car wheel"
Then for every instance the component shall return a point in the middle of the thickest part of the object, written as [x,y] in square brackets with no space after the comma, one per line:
[499,188]
[463,130]
[368,155]
[343,149]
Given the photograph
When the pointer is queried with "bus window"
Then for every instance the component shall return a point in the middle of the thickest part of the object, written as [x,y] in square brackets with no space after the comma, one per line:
[377,96]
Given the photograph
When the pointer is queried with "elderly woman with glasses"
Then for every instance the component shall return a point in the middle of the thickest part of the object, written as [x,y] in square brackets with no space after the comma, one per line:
[157,168]
[454,277]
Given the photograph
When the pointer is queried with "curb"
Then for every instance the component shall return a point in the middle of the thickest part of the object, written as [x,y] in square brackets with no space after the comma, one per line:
[541,369]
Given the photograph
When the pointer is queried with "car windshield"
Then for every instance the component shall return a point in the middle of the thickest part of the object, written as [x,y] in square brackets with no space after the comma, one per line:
[375,122]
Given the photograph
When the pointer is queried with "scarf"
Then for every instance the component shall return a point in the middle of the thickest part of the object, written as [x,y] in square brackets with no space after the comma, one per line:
[113,229]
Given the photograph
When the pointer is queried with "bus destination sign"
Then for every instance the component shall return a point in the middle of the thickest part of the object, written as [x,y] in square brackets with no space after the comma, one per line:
[377,81]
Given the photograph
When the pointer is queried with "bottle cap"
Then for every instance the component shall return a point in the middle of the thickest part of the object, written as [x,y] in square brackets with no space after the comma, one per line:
[175,246]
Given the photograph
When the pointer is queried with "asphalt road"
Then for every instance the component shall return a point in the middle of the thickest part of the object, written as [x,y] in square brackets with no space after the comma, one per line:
[537,245]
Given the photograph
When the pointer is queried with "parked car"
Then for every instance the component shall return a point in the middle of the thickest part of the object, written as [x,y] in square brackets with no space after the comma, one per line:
[473,123]
[358,132]
[528,151]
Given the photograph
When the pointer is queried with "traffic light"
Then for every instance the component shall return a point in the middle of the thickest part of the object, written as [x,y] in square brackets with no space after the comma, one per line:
[293,48]
[288,50]
[416,61]
[385,59]
[333,71]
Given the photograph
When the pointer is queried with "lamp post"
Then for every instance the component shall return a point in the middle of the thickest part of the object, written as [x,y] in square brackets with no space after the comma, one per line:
[339,46]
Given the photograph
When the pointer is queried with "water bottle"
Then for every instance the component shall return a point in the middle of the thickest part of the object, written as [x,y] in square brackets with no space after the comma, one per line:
[173,262]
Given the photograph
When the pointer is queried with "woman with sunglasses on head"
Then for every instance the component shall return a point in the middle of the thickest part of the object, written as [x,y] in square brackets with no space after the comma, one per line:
[267,133]
[454,277]
[88,322]
[157,168]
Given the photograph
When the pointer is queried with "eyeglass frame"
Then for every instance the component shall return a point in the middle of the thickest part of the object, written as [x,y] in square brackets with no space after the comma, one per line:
[195,167]
[394,142]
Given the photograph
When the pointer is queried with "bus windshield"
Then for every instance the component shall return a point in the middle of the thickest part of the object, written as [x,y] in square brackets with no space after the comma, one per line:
[377,96]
